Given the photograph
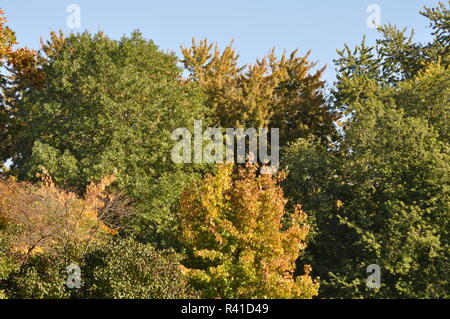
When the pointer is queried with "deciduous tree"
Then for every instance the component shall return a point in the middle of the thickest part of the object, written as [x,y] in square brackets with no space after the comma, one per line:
[274,92]
[240,248]
[107,105]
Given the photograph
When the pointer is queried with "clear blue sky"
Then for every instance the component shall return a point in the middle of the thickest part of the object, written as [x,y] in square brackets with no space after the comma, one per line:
[255,25]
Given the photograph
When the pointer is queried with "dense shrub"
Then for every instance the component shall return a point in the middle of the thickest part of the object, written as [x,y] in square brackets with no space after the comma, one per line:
[128,269]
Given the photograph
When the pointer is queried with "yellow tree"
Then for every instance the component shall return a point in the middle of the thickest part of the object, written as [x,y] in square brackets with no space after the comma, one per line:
[275,92]
[239,245]
[21,64]
[21,60]
[47,219]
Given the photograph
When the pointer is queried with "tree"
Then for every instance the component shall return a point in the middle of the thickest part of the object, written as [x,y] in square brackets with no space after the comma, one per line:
[43,229]
[22,60]
[427,96]
[395,58]
[46,219]
[41,277]
[274,92]
[439,17]
[20,63]
[106,105]
[239,246]
[121,268]
[381,197]
[7,264]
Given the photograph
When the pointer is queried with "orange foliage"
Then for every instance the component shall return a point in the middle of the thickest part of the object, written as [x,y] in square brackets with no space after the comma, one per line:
[45,218]
[22,61]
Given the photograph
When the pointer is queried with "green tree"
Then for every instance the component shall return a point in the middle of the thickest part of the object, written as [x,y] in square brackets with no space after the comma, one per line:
[380,195]
[107,106]
[380,198]
[122,269]
[42,277]
[427,96]
[395,58]
[7,264]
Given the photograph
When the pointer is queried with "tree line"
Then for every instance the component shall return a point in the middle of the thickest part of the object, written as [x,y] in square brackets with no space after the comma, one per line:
[86,123]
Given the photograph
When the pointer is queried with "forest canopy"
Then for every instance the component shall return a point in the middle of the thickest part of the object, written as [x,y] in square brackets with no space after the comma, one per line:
[86,176]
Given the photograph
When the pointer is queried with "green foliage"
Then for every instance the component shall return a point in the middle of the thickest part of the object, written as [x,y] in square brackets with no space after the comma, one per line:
[395,58]
[381,196]
[108,106]
[120,269]
[427,96]
[7,264]
[439,17]
[42,277]
[130,270]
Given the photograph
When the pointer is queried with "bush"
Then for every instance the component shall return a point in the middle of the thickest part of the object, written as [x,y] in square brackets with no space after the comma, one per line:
[42,277]
[128,269]
[7,264]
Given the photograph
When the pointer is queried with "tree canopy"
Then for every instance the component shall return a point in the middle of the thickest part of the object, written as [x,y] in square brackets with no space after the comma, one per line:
[87,179]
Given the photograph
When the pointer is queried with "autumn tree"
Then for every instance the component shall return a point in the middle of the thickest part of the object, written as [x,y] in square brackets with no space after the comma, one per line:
[47,219]
[18,63]
[43,229]
[274,92]
[22,60]
[240,247]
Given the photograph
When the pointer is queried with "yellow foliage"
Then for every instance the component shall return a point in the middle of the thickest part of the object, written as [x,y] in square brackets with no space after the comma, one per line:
[233,222]
[23,60]
[45,217]
[273,92]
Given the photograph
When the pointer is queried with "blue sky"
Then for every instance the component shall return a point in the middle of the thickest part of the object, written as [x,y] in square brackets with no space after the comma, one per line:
[255,25]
